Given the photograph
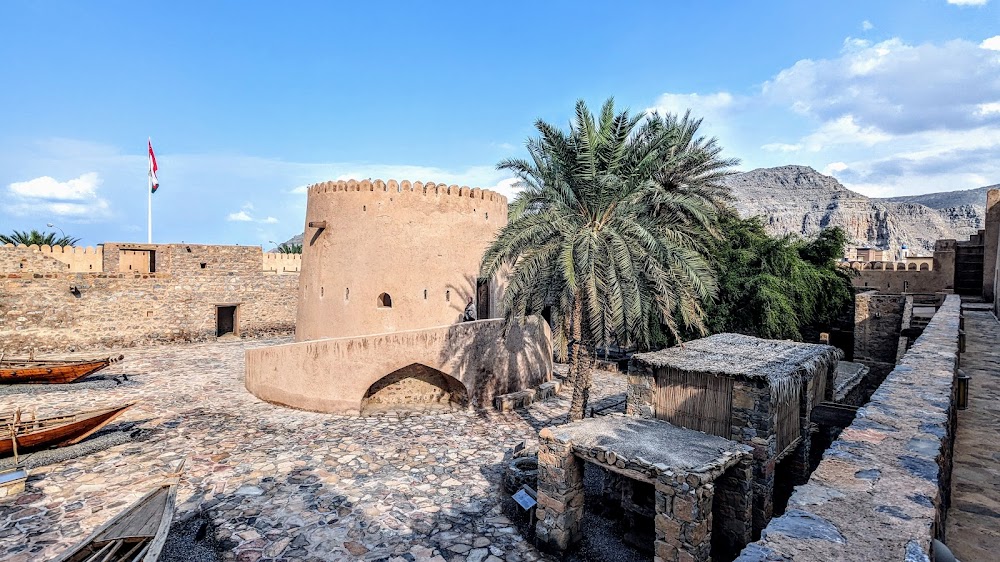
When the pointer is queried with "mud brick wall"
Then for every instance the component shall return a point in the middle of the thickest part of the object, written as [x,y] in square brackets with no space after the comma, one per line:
[882,489]
[39,311]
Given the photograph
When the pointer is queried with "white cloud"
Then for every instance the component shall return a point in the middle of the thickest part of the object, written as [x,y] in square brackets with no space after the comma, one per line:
[76,199]
[867,25]
[896,87]
[269,220]
[991,44]
[241,216]
[45,187]
[834,167]
[781,147]
[711,107]
[968,2]
[987,108]
[843,130]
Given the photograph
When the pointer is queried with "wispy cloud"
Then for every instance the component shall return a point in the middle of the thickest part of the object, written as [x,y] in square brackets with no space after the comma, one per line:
[867,26]
[968,2]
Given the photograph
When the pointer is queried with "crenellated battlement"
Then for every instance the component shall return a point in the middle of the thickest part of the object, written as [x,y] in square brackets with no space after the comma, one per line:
[282,263]
[407,187]
[74,259]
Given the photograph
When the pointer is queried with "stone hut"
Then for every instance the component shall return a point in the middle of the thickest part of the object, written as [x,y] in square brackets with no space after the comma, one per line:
[700,485]
[753,391]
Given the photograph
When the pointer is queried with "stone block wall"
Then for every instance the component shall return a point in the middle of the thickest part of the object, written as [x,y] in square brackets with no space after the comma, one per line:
[28,259]
[887,277]
[878,319]
[39,311]
[881,490]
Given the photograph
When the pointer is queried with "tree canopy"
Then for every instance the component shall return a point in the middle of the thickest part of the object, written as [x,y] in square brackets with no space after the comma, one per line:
[773,287]
[38,238]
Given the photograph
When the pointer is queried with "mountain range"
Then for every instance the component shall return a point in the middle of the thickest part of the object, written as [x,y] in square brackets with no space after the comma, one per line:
[800,200]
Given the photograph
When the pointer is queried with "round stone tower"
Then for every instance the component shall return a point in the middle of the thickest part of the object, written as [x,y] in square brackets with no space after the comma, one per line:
[383,257]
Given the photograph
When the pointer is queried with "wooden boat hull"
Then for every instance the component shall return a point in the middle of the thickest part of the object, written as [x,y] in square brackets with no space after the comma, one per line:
[51,371]
[58,431]
[134,535]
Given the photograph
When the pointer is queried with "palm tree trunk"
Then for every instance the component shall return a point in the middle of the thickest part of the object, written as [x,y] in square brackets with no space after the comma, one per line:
[581,355]
[574,345]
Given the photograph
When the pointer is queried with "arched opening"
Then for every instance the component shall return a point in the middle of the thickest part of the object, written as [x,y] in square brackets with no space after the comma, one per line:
[384,301]
[925,267]
[415,387]
[911,266]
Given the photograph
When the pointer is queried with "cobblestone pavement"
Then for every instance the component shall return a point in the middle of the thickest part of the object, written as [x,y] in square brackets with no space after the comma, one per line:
[277,483]
[974,517]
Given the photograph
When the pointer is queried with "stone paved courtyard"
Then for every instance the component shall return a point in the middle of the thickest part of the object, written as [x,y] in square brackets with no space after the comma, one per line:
[281,484]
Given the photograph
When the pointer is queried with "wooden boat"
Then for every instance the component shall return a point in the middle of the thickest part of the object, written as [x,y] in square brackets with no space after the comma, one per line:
[55,431]
[134,535]
[57,371]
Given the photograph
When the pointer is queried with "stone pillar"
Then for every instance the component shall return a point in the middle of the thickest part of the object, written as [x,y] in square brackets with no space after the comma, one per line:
[683,518]
[990,243]
[560,493]
[753,425]
[639,392]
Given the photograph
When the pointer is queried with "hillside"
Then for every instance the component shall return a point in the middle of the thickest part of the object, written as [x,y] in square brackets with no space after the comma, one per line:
[800,200]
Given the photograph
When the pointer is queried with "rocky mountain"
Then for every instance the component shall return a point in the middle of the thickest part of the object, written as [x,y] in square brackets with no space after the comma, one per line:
[800,200]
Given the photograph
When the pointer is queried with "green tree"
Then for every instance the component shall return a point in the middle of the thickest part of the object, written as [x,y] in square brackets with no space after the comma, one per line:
[39,238]
[289,248]
[773,287]
[609,231]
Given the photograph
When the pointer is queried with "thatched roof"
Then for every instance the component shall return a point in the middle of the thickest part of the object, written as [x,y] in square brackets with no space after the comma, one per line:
[737,355]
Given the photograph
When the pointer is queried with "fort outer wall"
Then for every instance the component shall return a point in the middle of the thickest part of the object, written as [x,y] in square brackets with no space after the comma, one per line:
[895,278]
[421,244]
[882,489]
[335,375]
[40,311]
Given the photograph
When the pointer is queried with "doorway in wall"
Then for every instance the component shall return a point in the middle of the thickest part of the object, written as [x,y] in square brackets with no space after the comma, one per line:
[482,299]
[225,320]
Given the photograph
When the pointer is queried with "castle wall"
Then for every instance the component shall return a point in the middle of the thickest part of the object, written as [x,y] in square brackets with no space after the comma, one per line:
[878,320]
[282,263]
[28,259]
[120,310]
[419,243]
[908,277]
[47,307]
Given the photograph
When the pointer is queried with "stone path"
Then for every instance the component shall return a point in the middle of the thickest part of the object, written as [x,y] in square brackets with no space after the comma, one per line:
[281,484]
[973,532]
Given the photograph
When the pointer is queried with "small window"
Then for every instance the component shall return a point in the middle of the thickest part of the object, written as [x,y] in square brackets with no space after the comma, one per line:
[384,301]
[347,294]
[364,207]
[447,296]
[487,216]
[425,294]
[321,291]
[188,249]
[202,264]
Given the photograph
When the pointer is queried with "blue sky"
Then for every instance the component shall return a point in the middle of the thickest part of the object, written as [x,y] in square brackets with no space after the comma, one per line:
[248,102]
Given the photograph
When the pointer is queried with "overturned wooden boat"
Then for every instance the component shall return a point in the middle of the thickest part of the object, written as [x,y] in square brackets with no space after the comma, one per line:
[52,371]
[134,535]
[56,431]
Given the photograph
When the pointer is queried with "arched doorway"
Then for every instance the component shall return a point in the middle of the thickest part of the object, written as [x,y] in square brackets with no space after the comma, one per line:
[415,387]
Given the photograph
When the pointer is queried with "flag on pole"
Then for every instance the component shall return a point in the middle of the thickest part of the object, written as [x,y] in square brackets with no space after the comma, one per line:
[153,182]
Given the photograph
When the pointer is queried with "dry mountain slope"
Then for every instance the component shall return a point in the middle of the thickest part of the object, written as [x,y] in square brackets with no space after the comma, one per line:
[800,200]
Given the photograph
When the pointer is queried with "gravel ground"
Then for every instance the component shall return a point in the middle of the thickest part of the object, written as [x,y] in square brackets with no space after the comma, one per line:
[98,442]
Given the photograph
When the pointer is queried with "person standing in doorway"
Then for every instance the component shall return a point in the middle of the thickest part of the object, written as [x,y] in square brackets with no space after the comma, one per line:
[470,311]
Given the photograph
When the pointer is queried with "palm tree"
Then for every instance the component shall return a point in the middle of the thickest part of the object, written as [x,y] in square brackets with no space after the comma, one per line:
[289,248]
[38,238]
[609,232]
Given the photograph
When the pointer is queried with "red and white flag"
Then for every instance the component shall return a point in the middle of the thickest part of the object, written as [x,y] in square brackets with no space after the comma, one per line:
[153,182]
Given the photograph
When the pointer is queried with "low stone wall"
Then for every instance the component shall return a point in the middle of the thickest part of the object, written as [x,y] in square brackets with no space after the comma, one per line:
[882,489]
[878,320]
[42,312]
[334,375]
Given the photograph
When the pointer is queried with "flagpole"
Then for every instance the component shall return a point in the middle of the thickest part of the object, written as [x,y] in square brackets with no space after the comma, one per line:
[149,209]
